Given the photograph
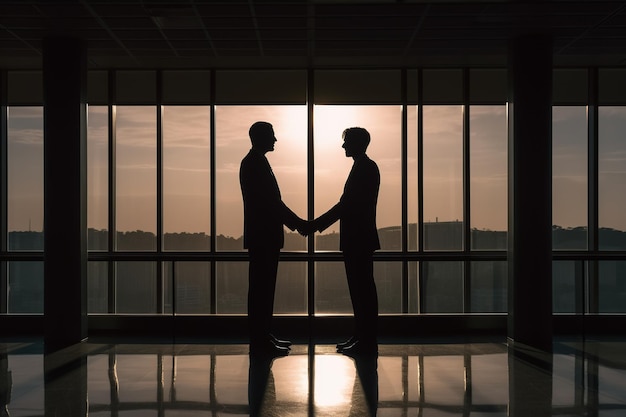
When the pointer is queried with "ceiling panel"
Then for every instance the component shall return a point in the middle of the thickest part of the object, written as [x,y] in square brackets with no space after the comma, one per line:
[235,33]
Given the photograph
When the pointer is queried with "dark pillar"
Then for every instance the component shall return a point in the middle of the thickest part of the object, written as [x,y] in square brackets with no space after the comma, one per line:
[530,191]
[65,223]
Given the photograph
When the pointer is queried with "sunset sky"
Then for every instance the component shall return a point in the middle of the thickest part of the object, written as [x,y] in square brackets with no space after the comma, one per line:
[186,164]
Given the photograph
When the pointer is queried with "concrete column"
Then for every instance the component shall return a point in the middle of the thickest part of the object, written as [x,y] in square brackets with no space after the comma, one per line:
[65,190]
[530,191]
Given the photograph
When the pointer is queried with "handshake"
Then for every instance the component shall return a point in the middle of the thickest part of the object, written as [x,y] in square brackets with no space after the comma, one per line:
[306,227]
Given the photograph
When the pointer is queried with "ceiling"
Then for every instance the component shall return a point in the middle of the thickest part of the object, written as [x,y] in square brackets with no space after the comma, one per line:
[310,34]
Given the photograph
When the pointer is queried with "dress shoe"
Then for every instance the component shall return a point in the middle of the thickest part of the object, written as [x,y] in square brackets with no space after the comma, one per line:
[360,348]
[268,349]
[346,343]
[279,342]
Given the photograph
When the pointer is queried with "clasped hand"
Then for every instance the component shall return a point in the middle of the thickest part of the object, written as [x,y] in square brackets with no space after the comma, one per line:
[306,228]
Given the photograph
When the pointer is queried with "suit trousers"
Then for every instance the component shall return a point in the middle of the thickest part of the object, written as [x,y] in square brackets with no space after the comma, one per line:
[359,266]
[261,287]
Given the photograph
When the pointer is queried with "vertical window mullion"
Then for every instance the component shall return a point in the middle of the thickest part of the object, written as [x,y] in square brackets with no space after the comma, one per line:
[467,237]
[111,243]
[404,308]
[420,188]
[310,193]
[212,198]
[3,190]
[593,188]
[159,193]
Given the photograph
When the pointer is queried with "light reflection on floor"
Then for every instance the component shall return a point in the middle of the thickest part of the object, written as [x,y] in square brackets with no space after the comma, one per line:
[427,379]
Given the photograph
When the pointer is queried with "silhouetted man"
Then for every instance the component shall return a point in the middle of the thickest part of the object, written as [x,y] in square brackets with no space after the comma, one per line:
[264,217]
[356,211]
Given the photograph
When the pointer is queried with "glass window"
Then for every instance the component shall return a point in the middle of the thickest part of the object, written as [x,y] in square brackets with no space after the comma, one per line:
[567,284]
[192,287]
[331,289]
[612,178]
[136,287]
[25,287]
[488,177]
[569,177]
[290,296]
[98,177]
[443,287]
[231,280]
[332,166]
[25,178]
[489,287]
[388,278]
[612,287]
[443,177]
[186,186]
[97,287]
[136,177]
[288,161]
[414,288]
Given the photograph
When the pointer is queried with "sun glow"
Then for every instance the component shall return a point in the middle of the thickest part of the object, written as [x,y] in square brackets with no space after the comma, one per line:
[334,380]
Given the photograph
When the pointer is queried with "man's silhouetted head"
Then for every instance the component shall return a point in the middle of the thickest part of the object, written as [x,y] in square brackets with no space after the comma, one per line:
[262,136]
[355,141]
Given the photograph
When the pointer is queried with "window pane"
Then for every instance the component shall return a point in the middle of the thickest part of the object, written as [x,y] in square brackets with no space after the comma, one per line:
[612,287]
[489,287]
[231,280]
[25,287]
[414,288]
[98,177]
[192,290]
[388,278]
[291,288]
[443,287]
[612,178]
[288,162]
[488,177]
[331,289]
[97,287]
[565,276]
[25,177]
[186,186]
[569,177]
[443,177]
[332,166]
[136,177]
[136,287]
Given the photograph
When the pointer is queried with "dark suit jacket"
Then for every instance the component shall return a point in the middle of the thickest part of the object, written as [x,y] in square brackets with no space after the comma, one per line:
[357,208]
[264,212]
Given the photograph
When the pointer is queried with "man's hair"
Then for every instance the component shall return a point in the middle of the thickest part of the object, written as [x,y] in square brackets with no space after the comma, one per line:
[259,130]
[358,136]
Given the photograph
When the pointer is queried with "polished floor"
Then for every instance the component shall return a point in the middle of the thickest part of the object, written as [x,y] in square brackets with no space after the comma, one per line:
[484,378]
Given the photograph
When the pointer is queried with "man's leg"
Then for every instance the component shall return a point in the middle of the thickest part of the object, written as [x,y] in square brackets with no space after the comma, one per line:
[360,275]
[261,286]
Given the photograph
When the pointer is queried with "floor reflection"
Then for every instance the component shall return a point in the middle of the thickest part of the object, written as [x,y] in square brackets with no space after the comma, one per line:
[476,379]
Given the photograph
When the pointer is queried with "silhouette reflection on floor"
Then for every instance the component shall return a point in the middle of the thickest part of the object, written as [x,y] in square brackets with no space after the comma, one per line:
[197,379]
